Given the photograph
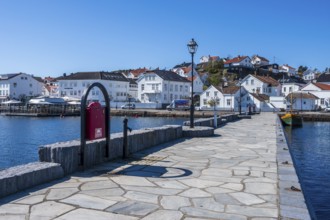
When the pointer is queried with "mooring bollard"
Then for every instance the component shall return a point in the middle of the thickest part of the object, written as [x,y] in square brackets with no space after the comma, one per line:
[125,140]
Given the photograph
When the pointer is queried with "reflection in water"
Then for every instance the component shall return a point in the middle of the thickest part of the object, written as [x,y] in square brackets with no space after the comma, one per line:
[20,137]
[310,148]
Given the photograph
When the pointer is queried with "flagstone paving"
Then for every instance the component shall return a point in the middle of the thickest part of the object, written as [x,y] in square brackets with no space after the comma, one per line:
[232,175]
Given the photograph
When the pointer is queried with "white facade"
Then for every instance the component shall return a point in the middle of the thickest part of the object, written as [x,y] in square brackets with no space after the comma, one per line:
[18,86]
[302,101]
[260,61]
[322,91]
[288,69]
[118,90]
[224,100]
[198,84]
[262,85]
[290,87]
[309,75]
[162,87]
[244,61]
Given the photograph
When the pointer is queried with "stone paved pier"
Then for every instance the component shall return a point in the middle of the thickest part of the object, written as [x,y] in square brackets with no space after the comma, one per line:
[233,175]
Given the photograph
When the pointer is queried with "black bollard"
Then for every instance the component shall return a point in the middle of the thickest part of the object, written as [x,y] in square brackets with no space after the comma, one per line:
[125,140]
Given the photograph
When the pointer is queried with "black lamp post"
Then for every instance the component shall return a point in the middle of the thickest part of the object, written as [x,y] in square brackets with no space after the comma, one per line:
[192,48]
[240,97]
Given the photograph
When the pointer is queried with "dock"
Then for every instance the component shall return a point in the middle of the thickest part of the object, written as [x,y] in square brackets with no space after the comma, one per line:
[236,174]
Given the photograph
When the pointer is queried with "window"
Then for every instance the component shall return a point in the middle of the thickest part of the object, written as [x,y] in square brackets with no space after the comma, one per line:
[15,84]
[215,93]
[252,82]
[228,102]
[165,97]
[165,88]
[290,89]
[322,101]
[30,84]
[269,90]
[207,94]
[205,101]
[284,89]
[181,88]
[176,88]
[171,88]
[186,88]
[247,82]
[142,87]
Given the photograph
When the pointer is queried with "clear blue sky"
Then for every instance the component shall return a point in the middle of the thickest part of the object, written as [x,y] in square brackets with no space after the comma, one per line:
[52,37]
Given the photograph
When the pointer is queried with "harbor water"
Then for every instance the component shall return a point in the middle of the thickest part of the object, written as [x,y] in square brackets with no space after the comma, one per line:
[20,137]
[310,148]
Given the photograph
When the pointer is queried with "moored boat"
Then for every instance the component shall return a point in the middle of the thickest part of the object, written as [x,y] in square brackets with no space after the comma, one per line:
[292,119]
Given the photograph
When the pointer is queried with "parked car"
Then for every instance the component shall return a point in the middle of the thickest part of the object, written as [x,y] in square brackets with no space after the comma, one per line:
[128,106]
[327,109]
[200,108]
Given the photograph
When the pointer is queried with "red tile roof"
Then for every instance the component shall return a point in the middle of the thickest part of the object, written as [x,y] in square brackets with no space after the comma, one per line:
[236,59]
[322,86]
[137,72]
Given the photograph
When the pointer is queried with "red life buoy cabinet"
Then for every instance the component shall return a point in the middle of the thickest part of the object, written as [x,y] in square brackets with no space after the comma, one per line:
[95,121]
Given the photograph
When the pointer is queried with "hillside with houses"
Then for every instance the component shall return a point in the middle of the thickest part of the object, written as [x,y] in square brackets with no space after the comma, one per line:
[241,83]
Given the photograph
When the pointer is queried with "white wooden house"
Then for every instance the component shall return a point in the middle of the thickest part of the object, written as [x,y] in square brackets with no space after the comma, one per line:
[320,90]
[309,75]
[259,60]
[288,69]
[261,85]
[75,84]
[301,101]
[240,61]
[209,58]
[227,98]
[161,86]
[19,86]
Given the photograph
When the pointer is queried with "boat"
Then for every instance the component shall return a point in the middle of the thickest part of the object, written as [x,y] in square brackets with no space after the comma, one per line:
[292,119]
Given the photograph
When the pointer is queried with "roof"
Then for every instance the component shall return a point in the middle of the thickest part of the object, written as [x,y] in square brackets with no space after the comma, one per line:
[184,64]
[131,81]
[168,75]
[137,72]
[39,79]
[260,97]
[299,95]
[267,79]
[236,59]
[115,76]
[324,77]
[322,86]
[290,67]
[8,76]
[262,58]
[230,89]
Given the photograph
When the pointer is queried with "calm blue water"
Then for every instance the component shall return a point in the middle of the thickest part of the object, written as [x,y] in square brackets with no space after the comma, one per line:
[20,137]
[310,148]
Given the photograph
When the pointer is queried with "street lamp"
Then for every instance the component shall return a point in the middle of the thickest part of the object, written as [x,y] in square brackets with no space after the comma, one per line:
[240,97]
[192,48]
